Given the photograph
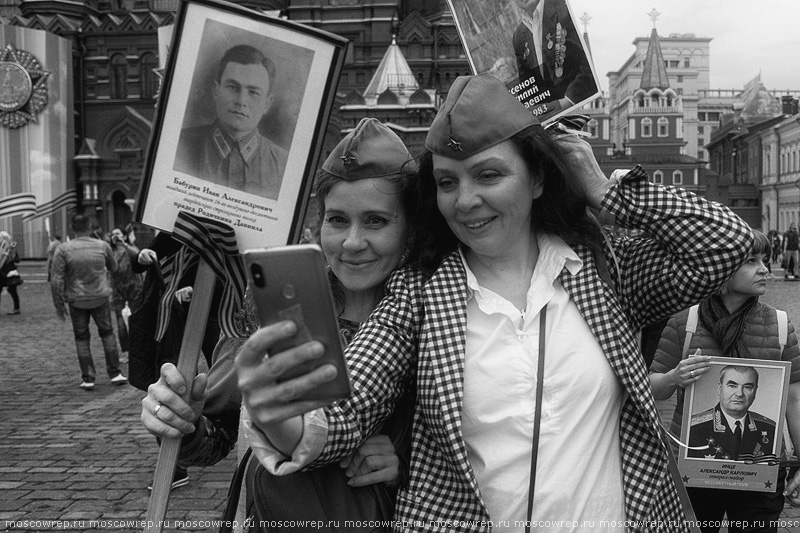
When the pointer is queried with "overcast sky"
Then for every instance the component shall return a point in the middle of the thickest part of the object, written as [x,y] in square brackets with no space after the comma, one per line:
[747,36]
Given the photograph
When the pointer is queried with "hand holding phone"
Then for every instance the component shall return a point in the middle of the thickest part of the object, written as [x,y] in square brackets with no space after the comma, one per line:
[291,283]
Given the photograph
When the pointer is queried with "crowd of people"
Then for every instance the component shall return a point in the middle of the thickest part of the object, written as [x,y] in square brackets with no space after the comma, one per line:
[492,331]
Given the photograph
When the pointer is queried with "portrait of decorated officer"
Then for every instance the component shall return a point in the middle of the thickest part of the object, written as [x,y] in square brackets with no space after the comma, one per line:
[730,430]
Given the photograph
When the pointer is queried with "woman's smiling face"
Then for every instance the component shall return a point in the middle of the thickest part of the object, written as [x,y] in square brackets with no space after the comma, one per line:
[364,232]
[487,198]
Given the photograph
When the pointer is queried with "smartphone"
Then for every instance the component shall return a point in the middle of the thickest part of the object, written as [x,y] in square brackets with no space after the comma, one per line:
[291,283]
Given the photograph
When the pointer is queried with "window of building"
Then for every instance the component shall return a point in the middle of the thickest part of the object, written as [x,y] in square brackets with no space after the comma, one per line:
[647,127]
[148,81]
[414,50]
[701,116]
[658,177]
[680,79]
[713,117]
[663,127]
[679,91]
[677,178]
[687,62]
[119,76]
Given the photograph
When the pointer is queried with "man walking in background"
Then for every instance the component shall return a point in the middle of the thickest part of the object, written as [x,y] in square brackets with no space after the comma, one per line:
[791,245]
[80,280]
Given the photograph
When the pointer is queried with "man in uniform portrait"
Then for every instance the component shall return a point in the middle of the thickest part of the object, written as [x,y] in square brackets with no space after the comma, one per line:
[231,151]
[729,430]
[548,49]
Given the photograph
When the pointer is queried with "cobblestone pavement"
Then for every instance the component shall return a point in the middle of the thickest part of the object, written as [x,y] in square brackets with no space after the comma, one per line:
[73,456]
[76,456]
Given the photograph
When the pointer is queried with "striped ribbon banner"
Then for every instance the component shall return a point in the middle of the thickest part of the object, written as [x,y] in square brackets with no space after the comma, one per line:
[18,204]
[67,200]
[215,243]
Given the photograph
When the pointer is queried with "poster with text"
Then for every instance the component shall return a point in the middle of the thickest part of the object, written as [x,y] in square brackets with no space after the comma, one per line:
[733,421]
[534,47]
[239,123]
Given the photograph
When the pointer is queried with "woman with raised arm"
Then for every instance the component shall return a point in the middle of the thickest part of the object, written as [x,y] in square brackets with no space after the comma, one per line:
[517,326]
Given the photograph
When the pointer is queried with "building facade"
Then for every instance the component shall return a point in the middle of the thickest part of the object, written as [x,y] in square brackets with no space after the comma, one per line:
[115,73]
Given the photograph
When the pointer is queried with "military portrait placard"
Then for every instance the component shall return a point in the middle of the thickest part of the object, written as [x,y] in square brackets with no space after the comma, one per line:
[534,47]
[733,423]
[240,122]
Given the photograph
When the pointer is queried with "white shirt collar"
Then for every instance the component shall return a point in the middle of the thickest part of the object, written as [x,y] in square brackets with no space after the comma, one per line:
[732,421]
[554,256]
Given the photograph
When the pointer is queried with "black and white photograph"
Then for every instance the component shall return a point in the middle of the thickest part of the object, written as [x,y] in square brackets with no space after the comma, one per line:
[247,96]
[534,47]
[734,414]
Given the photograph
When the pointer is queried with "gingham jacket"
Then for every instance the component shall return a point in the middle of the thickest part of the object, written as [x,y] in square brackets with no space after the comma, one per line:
[417,336]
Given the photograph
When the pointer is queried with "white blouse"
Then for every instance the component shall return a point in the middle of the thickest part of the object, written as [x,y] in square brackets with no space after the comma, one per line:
[578,475]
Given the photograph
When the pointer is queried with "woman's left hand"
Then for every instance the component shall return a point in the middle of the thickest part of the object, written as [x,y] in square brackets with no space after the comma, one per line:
[374,462]
[792,492]
[584,167]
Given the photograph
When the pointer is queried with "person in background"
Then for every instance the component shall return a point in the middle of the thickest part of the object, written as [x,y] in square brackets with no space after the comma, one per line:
[9,257]
[777,245]
[126,285]
[791,251]
[80,283]
[507,238]
[733,323]
[365,200]
[55,240]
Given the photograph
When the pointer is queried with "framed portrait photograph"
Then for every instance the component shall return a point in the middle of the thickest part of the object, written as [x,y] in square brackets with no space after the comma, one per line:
[733,425]
[240,120]
[534,47]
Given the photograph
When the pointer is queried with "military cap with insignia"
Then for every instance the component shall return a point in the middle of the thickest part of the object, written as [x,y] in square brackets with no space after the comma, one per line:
[371,150]
[478,113]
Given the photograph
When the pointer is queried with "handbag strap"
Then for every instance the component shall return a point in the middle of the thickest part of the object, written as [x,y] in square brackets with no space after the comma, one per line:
[235,489]
[683,494]
[537,419]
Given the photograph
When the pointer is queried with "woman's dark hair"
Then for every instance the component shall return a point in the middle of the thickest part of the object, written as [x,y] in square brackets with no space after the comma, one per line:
[561,209]
[326,181]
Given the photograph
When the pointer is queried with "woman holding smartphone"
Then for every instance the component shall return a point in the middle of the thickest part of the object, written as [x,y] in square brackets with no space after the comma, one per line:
[516,325]
[365,199]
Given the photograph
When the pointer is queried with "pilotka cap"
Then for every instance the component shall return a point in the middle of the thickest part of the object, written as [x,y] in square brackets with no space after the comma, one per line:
[478,113]
[371,150]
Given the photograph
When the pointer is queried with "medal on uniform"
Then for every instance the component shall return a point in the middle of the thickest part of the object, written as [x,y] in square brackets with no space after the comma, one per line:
[764,437]
[549,42]
[561,49]
[527,51]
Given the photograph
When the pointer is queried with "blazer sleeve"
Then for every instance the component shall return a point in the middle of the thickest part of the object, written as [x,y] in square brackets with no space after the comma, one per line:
[692,246]
[381,359]
[218,427]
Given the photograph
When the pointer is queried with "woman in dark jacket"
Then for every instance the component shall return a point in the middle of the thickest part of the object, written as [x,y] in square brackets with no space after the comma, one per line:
[731,323]
[8,262]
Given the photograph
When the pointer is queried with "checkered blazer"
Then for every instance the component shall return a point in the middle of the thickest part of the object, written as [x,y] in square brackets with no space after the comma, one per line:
[416,337]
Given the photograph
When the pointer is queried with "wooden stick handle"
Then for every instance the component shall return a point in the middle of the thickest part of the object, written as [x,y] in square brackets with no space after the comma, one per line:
[202,293]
